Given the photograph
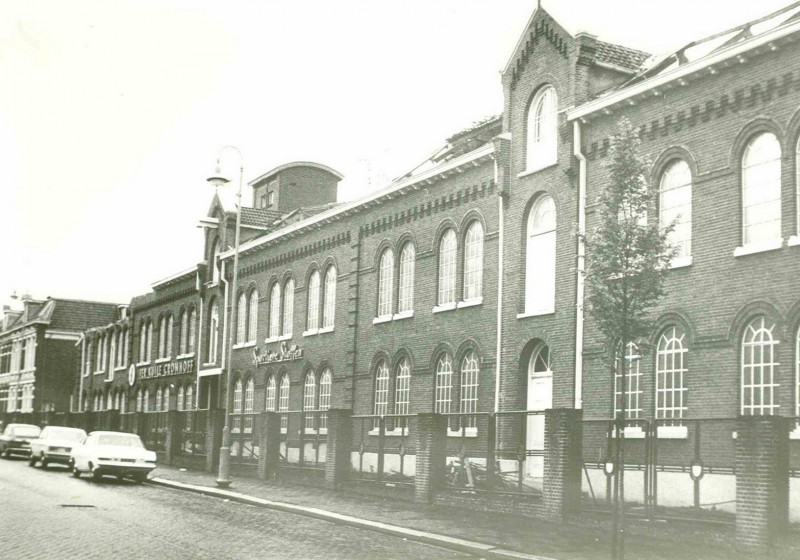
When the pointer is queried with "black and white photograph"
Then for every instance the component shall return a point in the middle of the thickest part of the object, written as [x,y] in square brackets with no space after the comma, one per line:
[364,279]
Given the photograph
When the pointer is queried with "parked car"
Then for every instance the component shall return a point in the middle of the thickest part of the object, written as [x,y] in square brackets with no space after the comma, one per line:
[16,439]
[54,445]
[112,453]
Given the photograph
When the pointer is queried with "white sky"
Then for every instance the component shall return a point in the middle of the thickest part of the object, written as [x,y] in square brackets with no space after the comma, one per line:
[111,113]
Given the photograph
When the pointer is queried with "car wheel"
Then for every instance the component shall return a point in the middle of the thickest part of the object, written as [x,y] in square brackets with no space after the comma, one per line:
[32,460]
[96,475]
[5,454]
[139,478]
[44,462]
[75,472]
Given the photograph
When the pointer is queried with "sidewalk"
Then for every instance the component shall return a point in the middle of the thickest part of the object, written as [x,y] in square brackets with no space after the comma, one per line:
[477,533]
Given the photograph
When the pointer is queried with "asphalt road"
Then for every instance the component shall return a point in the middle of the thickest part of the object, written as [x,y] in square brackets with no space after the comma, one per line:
[49,514]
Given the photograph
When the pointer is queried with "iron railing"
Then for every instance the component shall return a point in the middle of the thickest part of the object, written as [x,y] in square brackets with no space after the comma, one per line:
[383,449]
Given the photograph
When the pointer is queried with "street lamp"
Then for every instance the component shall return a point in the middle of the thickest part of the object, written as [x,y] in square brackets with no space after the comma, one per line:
[223,477]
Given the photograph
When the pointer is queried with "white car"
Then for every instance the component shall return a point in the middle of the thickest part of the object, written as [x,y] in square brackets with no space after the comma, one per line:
[54,445]
[112,453]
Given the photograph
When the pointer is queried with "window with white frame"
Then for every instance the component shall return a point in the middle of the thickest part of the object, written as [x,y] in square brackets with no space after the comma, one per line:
[162,337]
[213,263]
[213,333]
[241,318]
[540,257]
[473,262]
[405,299]
[236,424]
[252,315]
[631,399]
[325,382]
[402,391]
[146,400]
[249,398]
[159,395]
[309,396]
[275,311]
[184,333]
[165,402]
[381,391]
[542,130]
[385,283]
[312,321]
[470,370]
[192,326]
[283,401]
[671,375]
[329,299]
[675,205]
[761,189]
[444,384]
[271,393]
[759,365]
[288,306]
[170,328]
[447,268]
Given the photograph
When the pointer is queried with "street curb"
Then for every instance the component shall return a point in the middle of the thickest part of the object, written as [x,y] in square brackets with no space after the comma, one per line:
[452,543]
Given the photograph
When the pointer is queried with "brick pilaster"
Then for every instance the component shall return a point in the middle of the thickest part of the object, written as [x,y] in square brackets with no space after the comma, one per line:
[561,492]
[431,456]
[340,441]
[214,423]
[762,479]
[269,444]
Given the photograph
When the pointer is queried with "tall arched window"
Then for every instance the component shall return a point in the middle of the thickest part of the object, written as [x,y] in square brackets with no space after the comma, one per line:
[447,268]
[236,425]
[759,365]
[675,204]
[112,354]
[381,391]
[761,189]
[542,129]
[213,333]
[275,311]
[385,283]
[158,399]
[149,340]
[271,386]
[469,388]
[283,401]
[405,300]
[142,341]
[402,392]
[162,337]
[188,403]
[213,263]
[540,257]
[325,382]
[671,375]
[288,306]
[165,402]
[444,384]
[146,400]
[241,318]
[252,315]
[249,397]
[170,328]
[309,398]
[184,334]
[192,326]
[631,400]
[181,396]
[313,301]
[329,300]
[123,403]
[139,398]
[473,262]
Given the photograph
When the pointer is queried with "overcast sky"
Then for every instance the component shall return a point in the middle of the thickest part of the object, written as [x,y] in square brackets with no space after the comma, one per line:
[112,112]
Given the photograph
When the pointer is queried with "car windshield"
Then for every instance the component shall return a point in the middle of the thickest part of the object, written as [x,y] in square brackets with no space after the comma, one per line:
[25,431]
[66,433]
[122,440]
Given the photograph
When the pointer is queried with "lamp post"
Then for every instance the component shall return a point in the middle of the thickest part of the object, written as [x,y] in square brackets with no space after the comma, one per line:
[223,477]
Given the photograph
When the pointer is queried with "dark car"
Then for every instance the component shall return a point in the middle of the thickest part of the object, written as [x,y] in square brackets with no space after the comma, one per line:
[16,439]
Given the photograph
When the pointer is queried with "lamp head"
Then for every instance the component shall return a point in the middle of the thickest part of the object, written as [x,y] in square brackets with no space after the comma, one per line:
[217,179]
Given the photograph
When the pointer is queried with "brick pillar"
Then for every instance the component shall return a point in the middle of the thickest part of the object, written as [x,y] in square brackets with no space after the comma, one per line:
[113,420]
[172,436]
[762,479]
[338,447]
[431,456]
[214,423]
[269,444]
[563,459]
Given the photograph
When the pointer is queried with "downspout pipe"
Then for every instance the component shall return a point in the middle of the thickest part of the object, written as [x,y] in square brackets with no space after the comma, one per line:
[500,178]
[581,268]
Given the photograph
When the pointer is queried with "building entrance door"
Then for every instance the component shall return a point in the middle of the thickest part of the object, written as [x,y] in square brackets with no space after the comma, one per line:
[540,398]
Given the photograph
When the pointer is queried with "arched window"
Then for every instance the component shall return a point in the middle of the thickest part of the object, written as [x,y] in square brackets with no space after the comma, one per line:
[540,257]
[402,390]
[325,382]
[170,328]
[385,283]
[123,402]
[275,311]
[671,375]
[444,384]
[447,268]
[236,425]
[182,337]
[675,204]
[283,401]
[249,397]
[241,318]
[149,340]
[146,400]
[112,354]
[288,306]
[192,325]
[309,397]
[109,400]
[329,300]
[381,391]
[159,396]
[630,400]
[188,403]
[761,189]
[405,300]
[270,393]
[142,341]
[162,337]
[542,130]
[473,262]
[165,402]
[313,301]
[181,397]
[213,333]
[252,316]
[213,263]
[101,342]
[759,364]
[470,371]
[139,398]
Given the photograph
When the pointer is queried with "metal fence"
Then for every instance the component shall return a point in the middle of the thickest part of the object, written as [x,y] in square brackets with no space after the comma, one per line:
[384,449]
[192,424]
[303,439]
[245,431]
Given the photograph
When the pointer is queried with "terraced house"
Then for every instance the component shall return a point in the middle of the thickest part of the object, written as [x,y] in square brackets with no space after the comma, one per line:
[433,333]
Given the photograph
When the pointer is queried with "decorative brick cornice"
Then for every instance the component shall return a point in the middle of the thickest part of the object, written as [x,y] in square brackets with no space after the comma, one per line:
[307,250]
